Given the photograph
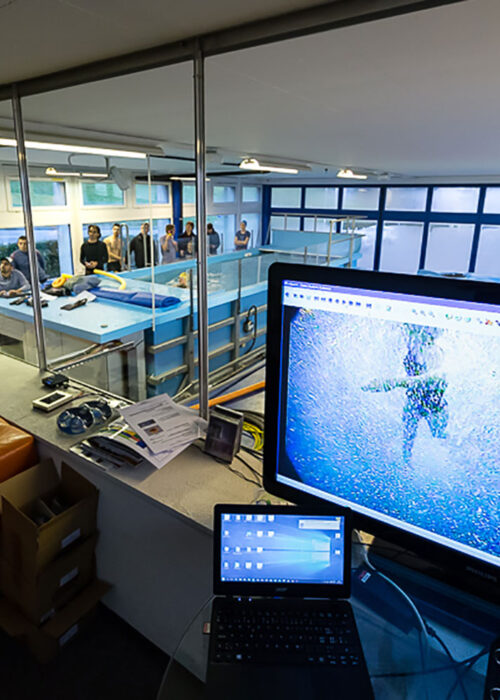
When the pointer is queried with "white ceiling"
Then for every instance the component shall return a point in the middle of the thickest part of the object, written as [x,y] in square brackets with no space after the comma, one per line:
[42,36]
[417,95]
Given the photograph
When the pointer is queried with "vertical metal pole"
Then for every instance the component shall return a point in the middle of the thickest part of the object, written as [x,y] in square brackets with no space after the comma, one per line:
[127,245]
[201,262]
[28,226]
[329,252]
[152,246]
[305,254]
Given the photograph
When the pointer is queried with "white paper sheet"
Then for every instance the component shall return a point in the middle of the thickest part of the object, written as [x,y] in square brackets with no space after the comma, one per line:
[164,425]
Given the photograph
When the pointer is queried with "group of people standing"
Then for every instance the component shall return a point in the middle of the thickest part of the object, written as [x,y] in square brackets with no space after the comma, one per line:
[96,254]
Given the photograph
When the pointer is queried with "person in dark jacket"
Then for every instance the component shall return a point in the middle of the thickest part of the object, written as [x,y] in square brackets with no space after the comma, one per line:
[93,253]
[213,240]
[20,260]
[140,246]
[187,242]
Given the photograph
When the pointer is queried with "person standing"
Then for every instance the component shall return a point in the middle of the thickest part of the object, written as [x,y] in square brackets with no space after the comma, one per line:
[242,237]
[12,282]
[20,260]
[114,246]
[93,253]
[168,245]
[213,240]
[187,242]
[140,246]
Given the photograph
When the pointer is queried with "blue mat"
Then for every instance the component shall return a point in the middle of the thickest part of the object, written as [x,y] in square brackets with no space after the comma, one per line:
[137,298]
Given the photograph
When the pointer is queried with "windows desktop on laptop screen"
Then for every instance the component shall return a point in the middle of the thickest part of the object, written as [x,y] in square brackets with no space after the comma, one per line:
[277,548]
[390,404]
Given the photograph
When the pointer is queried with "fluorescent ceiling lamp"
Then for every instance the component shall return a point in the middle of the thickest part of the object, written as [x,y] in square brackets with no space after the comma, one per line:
[347,172]
[73,148]
[253,164]
[185,179]
[52,172]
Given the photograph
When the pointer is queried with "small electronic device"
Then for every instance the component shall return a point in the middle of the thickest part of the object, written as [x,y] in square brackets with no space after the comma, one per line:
[224,433]
[54,381]
[75,304]
[51,401]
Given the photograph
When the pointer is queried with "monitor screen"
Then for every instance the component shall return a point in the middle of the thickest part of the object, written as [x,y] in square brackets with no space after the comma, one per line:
[279,548]
[388,403]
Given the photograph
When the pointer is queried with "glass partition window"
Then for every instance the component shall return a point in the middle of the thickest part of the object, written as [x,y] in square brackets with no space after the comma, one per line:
[253,225]
[159,194]
[322,197]
[52,242]
[368,230]
[188,194]
[44,193]
[102,194]
[455,199]
[223,193]
[225,225]
[250,194]
[401,245]
[361,198]
[318,223]
[488,254]
[406,198]
[492,200]
[284,197]
[290,223]
[449,247]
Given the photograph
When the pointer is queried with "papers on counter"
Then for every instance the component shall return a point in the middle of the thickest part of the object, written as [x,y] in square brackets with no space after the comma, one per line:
[164,426]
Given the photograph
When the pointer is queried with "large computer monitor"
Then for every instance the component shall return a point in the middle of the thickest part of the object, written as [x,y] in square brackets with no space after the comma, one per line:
[383,395]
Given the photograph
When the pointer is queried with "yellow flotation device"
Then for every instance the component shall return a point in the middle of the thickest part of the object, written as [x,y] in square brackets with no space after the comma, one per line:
[59,282]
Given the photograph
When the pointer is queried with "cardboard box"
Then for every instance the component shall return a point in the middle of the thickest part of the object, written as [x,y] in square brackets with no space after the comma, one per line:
[54,586]
[28,546]
[44,642]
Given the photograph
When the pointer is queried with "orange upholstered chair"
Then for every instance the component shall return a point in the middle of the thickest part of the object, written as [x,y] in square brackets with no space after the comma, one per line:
[17,450]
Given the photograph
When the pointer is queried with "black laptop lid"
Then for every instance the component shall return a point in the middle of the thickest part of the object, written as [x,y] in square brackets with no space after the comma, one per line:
[289,551]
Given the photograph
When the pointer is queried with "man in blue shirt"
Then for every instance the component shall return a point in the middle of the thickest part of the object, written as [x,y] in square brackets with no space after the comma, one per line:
[20,260]
[12,282]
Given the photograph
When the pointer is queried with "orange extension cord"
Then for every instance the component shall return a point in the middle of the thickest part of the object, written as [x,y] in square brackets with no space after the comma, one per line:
[234,394]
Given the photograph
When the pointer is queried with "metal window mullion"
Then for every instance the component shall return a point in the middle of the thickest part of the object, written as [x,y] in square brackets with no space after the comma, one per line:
[425,230]
[477,229]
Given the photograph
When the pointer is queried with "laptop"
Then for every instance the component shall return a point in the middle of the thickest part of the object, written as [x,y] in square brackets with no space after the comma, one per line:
[281,626]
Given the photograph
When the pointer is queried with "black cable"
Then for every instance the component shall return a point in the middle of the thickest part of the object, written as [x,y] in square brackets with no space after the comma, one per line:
[439,669]
[255,453]
[432,633]
[249,466]
[460,676]
[235,471]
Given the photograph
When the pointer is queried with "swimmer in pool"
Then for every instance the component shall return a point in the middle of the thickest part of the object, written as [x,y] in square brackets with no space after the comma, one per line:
[424,383]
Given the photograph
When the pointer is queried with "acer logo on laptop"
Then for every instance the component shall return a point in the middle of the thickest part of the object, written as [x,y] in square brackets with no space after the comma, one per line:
[281,589]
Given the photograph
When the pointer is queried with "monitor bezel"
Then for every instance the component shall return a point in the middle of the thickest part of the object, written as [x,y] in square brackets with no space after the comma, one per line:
[285,590]
[450,565]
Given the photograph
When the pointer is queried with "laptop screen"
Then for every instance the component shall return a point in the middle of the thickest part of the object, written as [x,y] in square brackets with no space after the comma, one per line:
[280,547]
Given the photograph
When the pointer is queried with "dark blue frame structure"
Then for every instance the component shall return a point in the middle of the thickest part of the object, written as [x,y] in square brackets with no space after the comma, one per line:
[382,215]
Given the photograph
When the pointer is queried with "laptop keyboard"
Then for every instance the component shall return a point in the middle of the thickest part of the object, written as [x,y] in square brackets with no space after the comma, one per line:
[250,632]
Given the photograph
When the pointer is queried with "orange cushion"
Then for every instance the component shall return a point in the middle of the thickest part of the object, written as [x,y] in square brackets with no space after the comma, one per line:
[17,450]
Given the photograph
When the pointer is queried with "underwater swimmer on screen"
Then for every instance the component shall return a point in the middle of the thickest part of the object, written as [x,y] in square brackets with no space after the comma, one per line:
[425,386]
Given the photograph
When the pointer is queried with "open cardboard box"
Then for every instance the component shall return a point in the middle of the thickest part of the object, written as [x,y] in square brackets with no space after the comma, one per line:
[28,547]
[54,586]
[45,641]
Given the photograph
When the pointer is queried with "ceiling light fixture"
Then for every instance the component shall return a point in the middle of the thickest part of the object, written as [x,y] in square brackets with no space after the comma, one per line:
[74,148]
[254,164]
[52,172]
[348,173]
[181,178]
